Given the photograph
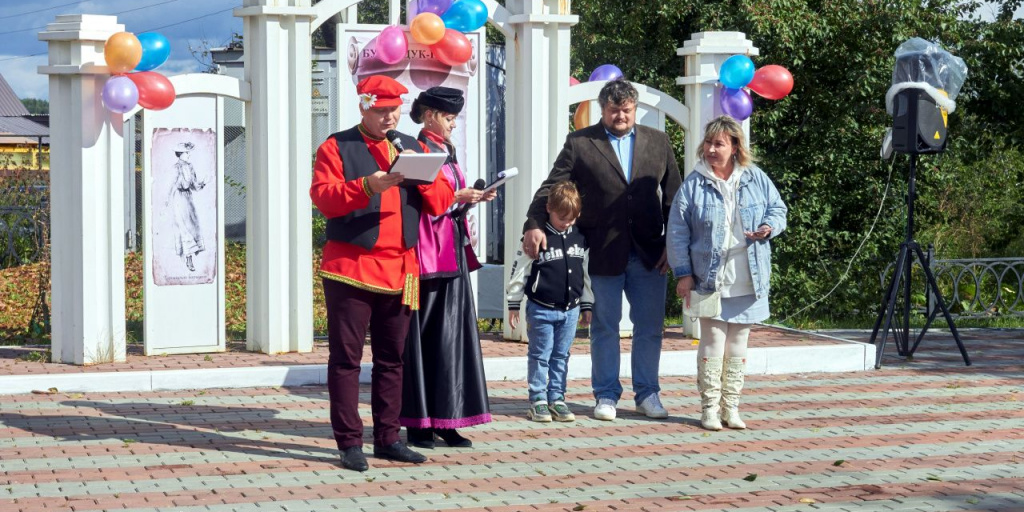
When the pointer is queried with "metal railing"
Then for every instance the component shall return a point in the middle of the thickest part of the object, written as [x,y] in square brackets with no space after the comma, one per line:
[973,287]
[24,217]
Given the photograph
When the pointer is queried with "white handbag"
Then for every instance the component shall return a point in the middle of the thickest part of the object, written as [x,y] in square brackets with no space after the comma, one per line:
[704,305]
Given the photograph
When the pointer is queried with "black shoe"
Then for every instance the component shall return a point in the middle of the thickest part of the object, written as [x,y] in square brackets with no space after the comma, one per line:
[453,438]
[353,458]
[398,451]
[420,437]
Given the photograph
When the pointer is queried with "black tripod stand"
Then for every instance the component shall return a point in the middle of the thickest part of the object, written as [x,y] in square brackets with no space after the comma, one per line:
[904,263]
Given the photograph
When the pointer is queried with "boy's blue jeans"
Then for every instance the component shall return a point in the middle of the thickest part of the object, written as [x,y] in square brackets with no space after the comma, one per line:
[551,334]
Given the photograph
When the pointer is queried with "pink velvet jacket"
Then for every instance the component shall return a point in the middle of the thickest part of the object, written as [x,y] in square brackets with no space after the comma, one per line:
[438,237]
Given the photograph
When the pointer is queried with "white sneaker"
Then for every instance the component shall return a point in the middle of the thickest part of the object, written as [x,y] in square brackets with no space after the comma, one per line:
[652,408]
[605,409]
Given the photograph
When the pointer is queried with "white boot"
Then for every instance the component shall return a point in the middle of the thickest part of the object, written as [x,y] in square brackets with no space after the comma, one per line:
[732,384]
[709,383]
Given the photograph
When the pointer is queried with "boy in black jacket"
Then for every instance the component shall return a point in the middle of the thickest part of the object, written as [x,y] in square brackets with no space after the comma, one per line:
[558,288]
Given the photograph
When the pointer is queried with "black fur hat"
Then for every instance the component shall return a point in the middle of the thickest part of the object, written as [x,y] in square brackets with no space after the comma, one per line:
[444,99]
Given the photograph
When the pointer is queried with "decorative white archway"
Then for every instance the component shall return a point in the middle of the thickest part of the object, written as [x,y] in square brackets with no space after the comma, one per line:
[658,102]
[87,189]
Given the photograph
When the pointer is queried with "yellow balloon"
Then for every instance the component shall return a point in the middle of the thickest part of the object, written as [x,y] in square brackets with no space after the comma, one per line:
[427,28]
[122,52]
[581,119]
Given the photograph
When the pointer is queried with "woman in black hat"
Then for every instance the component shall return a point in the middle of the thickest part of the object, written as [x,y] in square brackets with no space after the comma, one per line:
[443,385]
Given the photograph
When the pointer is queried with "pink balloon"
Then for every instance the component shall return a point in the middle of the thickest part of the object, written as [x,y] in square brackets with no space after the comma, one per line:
[573,81]
[392,46]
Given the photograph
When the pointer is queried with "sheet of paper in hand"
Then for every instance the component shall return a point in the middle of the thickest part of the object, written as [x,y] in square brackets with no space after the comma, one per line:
[418,168]
[503,176]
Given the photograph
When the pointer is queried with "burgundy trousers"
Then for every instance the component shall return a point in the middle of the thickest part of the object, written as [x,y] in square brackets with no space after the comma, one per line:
[349,311]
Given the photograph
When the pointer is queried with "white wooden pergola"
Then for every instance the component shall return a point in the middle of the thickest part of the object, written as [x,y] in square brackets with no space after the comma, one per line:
[88,289]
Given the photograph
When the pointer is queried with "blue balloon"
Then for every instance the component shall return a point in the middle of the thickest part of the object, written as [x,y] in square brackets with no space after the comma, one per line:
[605,72]
[155,50]
[736,72]
[465,15]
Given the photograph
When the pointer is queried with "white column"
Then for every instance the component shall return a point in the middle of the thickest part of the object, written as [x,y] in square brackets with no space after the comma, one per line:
[703,55]
[537,105]
[279,254]
[86,195]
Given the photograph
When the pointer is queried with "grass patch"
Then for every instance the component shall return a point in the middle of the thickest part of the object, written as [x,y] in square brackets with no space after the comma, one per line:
[36,357]
[19,290]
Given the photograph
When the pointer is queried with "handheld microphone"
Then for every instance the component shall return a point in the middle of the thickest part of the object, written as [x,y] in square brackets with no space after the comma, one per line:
[480,184]
[392,136]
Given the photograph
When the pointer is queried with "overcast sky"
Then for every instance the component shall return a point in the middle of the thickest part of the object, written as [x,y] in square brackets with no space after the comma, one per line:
[181,21]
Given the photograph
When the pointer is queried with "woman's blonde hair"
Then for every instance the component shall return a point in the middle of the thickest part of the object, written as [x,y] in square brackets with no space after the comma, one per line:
[732,129]
[564,199]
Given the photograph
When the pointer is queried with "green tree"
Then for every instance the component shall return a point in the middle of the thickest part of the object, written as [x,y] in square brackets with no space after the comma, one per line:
[36,106]
[820,144]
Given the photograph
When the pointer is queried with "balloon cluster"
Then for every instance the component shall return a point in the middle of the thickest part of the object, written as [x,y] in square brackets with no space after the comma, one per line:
[124,52]
[772,82]
[439,24]
[581,119]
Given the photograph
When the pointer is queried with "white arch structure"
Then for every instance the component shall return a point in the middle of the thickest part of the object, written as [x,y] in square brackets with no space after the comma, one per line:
[664,105]
[87,187]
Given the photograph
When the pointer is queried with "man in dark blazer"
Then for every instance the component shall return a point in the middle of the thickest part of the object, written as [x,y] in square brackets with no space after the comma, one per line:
[627,176]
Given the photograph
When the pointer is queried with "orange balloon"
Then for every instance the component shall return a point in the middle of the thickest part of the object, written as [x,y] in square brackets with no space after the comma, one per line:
[581,119]
[427,28]
[123,51]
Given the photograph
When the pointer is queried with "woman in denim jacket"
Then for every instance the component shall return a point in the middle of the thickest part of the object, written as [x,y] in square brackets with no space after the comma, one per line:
[719,229]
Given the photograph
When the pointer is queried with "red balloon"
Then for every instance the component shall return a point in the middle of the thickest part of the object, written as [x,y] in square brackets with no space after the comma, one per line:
[155,90]
[453,49]
[772,82]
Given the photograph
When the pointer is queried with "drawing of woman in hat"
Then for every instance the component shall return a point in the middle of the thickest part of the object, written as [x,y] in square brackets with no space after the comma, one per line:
[188,237]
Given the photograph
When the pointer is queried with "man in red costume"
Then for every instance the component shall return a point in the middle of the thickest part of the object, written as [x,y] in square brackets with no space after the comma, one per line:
[369,268]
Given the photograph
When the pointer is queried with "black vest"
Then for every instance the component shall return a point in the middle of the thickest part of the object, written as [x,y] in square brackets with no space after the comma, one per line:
[362,227]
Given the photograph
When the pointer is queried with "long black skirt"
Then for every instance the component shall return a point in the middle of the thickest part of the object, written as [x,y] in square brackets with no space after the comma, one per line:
[443,385]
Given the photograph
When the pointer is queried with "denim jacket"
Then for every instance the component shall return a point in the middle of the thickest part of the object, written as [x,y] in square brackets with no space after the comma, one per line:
[696,228]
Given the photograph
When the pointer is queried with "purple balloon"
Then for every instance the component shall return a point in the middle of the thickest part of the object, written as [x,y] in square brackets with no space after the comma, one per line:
[392,46]
[437,7]
[120,94]
[736,103]
[605,72]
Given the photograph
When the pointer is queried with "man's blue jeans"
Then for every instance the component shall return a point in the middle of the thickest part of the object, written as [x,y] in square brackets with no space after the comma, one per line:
[551,334]
[645,291]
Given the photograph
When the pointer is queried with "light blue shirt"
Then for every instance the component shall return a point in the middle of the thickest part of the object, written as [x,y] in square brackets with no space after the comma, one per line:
[623,147]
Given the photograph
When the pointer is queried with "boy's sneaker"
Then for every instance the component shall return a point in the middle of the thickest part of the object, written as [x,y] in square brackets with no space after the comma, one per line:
[561,412]
[652,408]
[539,412]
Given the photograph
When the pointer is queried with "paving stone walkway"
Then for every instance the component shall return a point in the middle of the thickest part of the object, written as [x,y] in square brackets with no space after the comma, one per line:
[928,434]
